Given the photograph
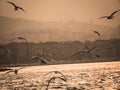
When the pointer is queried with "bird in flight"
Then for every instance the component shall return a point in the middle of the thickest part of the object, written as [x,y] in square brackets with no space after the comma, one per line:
[110,16]
[15,70]
[16,8]
[53,78]
[20,38]
[97,33]
[89,50]
[44,61]
[77,53]
[56,72]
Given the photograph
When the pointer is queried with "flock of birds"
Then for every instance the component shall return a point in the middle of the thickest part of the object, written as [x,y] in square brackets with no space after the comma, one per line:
[89,50]
[45,61]
[16,8]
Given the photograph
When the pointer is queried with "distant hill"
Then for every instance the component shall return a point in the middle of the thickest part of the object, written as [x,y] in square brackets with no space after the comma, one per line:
[36,31]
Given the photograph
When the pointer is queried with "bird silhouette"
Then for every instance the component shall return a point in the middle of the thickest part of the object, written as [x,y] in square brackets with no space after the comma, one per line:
[89,49]
[79,52]
[111,16]
[88,52]
[53,78]
[47,57]
[16,8]
[56,72]
[97,33]
[20,38]
[43,60]
[15,70]
[6,50]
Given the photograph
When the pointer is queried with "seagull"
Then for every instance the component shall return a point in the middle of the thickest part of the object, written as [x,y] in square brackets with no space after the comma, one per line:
[111,16]
[78,53]
[15,6]
[96,53]
[20,38]
[7,50]
[88,51]
[47,57]
[97,33]
[44,61]
[15,70]
[34,58]
[56,72]
[53,78]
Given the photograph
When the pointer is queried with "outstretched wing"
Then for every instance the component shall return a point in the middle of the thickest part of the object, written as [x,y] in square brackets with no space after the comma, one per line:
[78,53]
[49,81]
[21,38]
[34,57]
[11,3]
[62,79]
[44,61]
[56,72]
[51,59]
[21,9]
[114,12]
[86,47]
[103,17]
[91,49]
[9,72]
[97,33]
[53,78]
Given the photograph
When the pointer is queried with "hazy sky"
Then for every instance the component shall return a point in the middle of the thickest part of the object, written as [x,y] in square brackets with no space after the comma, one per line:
[64,10]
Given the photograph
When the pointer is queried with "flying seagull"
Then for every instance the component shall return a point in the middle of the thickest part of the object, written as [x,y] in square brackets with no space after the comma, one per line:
[47,57]
[97,33]
[15,70]
[20,38]
[53,78]
[111,16]
[89,50]
[15,6]
[78,53]
[56,72]
[44,61]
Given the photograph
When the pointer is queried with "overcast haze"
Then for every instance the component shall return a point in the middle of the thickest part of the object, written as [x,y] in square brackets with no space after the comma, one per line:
[64,10]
